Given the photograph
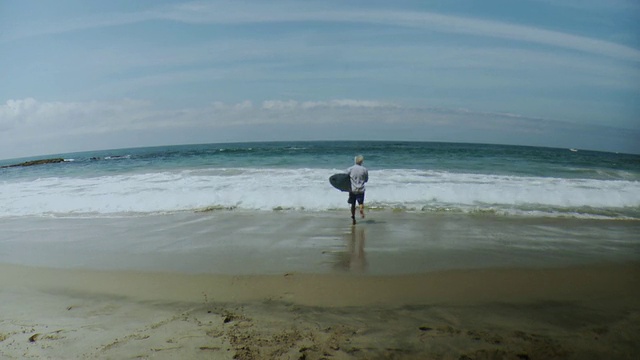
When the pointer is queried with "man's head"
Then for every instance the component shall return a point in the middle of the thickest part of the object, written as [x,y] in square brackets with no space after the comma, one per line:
[359,159]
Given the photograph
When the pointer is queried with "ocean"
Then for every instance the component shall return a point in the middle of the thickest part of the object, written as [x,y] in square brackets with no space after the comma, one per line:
[418,177]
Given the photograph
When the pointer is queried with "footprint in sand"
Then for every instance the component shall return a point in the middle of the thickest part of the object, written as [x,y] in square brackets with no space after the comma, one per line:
[440,331]
[485,336]
[54,335]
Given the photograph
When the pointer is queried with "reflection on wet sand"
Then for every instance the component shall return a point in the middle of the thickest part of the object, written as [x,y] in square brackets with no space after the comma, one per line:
[354,257]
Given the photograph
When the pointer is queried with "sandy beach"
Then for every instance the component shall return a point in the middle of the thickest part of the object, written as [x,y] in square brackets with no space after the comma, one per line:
[362,294]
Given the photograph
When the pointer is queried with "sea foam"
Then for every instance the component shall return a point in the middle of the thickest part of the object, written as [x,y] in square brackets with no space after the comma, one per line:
[309,190]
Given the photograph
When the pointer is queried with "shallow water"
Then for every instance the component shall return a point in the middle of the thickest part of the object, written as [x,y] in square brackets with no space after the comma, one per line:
[244,242]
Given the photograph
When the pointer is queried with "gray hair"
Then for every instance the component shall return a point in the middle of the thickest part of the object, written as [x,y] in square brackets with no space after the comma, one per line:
[359,159]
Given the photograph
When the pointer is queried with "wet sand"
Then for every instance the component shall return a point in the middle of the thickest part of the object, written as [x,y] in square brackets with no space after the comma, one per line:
[295,287]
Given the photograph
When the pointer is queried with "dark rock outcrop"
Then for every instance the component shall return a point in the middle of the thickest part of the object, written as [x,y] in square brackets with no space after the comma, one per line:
[36,162]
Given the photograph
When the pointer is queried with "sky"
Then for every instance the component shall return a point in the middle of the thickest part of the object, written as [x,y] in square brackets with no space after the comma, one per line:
[80,75]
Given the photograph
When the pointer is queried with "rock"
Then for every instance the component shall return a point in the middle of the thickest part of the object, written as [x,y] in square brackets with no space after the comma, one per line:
[36,162]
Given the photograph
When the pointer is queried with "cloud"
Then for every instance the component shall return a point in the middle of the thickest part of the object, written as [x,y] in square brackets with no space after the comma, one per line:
[234,12]
[623,5]
[30,119]
[31,127]
[29,116]
[128,114]
[308,105]
[348,103]
[279,105]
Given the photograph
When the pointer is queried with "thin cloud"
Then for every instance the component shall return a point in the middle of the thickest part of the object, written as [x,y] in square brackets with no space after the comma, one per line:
[307,105]
[228,12]
[42,127]
[623,5]
[232,13]
[30,117]
[25,115]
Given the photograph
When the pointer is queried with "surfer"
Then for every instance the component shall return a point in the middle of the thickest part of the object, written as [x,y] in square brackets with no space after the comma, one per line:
[359,176]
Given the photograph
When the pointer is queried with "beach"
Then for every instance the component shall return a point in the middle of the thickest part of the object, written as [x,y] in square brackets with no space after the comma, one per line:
[223,284]
[189,179]
[245,251]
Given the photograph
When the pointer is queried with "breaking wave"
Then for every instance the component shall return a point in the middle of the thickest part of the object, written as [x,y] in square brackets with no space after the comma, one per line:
[308,190]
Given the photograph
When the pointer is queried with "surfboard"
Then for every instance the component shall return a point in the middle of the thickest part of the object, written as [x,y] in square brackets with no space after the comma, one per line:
[340,181]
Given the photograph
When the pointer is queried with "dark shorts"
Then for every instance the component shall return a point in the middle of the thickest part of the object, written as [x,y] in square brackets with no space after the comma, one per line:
[356,197]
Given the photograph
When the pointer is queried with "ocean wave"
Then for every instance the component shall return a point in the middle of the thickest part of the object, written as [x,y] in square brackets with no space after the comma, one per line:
[117,157]
[223,189]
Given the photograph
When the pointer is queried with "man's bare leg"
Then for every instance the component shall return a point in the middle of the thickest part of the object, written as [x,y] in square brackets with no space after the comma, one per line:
[353,213]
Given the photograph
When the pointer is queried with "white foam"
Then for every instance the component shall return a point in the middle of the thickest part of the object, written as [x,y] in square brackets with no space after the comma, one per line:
[308,189]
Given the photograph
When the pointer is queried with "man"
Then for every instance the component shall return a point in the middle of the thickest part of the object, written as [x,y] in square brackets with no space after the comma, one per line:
[359,176]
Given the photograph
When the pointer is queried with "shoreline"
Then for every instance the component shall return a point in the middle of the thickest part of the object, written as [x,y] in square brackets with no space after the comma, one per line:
[248,243]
